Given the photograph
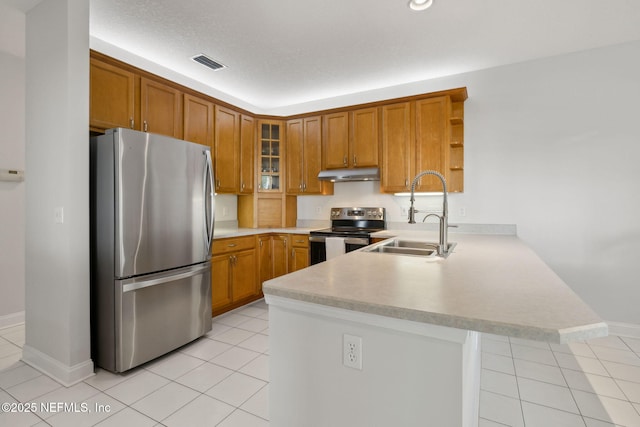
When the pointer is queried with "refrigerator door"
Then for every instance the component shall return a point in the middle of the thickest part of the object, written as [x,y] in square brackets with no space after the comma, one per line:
[164,204]
[160,312]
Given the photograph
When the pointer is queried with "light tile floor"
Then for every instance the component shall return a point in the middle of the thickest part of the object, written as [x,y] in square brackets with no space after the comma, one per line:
[223,380]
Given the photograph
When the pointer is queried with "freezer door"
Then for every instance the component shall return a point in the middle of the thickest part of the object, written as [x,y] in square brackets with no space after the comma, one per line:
[161,312]
[164,204]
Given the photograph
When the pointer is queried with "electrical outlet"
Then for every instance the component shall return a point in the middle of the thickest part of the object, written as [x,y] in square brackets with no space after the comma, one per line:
[463,211]
[352,351]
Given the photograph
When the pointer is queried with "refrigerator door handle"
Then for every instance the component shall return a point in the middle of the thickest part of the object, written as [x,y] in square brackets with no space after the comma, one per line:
[209,201]
[135,284]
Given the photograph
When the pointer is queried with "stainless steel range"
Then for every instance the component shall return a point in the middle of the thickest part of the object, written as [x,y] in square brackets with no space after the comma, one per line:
[353,225]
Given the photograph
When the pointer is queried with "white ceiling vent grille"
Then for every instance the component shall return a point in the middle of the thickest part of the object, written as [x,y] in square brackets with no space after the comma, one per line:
[208,62]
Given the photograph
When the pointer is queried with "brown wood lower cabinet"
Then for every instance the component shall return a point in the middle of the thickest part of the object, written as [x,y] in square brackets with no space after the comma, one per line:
[280,259]
[273,260]
[240,265]
[299,253]
[234,277]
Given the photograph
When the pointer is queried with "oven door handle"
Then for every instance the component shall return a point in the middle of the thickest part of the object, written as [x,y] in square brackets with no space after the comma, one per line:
[316,239]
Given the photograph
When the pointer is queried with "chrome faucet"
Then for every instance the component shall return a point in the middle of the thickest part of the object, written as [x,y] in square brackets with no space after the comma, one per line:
[443,244]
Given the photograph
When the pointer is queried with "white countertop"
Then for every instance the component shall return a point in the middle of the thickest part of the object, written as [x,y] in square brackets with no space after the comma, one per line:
[239,232]
[490,283]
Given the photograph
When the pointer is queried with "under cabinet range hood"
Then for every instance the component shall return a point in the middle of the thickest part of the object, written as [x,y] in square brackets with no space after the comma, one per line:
[343,175]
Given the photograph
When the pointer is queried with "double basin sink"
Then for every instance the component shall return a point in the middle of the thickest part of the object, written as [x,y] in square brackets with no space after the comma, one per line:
[408,247]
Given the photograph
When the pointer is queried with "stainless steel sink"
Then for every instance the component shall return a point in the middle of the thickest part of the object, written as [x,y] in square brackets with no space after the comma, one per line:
[414,244]
[402,251]
[407,247]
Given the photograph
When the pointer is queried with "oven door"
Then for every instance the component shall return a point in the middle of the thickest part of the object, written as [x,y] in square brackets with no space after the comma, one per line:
[318,250]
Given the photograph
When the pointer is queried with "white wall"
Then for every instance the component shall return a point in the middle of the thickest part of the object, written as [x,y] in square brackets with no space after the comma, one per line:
[57,339]
[411,371]
[551,146]
[12,145]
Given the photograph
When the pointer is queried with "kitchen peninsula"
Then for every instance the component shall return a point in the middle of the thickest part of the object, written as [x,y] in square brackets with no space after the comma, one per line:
[416,325]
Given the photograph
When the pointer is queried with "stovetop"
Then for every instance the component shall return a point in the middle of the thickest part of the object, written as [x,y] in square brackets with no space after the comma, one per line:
[354,222]
[348,232]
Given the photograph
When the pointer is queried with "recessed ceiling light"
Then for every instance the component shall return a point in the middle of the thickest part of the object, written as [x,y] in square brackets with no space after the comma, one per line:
[420,4]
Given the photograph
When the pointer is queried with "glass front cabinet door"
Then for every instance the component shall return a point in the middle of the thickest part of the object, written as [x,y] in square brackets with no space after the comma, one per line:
[270,156]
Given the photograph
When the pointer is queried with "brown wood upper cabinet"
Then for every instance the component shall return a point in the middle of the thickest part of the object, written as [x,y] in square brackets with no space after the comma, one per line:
[234,149]
[335,141]
[198,120]
[431,138]
[350,139]
[121,98]
[425,134]
[113,100]
[397,148]
[247,154]
[161,108]
[227,150]
[304,154]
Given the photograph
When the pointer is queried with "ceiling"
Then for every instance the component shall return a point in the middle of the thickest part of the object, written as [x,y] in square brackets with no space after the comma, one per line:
[281,53]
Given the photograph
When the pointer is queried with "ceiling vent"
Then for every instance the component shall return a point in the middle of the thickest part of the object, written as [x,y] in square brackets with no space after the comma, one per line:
[208,62]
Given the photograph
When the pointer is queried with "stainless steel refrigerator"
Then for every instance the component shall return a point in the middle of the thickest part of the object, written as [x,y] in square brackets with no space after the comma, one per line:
[152,217]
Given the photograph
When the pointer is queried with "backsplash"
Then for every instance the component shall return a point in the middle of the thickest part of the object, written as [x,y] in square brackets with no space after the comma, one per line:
[226,208]
[365,194]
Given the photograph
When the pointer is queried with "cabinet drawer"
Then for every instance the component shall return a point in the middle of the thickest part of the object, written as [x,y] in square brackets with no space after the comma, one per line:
[233,244]
[300,240]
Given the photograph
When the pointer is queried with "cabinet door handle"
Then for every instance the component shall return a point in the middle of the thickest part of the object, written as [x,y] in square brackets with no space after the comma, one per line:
[232,245]
[242,186]
[217,183]
[344,160]
[299,241]
[131,122]
[354,160]
[293,253]
[260,243]
[145,126]
[406,183]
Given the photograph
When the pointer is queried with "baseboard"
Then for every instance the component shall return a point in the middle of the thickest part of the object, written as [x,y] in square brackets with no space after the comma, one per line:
[629,330]
[12,319]
[65,375]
